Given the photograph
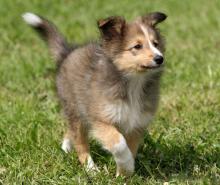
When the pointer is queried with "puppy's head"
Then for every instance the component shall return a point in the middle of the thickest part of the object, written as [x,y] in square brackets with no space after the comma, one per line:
[134,47]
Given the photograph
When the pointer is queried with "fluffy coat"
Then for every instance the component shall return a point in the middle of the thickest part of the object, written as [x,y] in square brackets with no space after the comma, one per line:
[108,89]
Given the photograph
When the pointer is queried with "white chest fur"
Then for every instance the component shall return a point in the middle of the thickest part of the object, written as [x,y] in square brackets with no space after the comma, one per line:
[128,114]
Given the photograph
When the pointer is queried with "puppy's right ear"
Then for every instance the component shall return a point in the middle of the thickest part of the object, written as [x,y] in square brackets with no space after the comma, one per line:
[111,27]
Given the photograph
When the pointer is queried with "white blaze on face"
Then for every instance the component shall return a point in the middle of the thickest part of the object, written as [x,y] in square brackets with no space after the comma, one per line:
[154,49]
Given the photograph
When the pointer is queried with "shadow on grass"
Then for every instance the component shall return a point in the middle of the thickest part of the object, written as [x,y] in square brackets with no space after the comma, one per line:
[163,160]
[159,159]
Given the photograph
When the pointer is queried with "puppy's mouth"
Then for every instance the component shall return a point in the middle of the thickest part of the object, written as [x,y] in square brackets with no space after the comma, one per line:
[143,67]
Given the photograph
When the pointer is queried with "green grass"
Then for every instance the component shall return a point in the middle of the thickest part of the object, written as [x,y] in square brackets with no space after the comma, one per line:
[183,143]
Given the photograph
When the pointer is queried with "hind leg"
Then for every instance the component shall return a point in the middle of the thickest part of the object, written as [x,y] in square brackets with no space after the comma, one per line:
[77,135]
[67,144]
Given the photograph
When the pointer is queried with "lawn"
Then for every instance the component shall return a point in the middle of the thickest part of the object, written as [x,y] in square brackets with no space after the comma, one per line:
[182,146]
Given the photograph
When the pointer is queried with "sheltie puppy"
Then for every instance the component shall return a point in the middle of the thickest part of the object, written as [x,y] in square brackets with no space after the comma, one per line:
[109,89]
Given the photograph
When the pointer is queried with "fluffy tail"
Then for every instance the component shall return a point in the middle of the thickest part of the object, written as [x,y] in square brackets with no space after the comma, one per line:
[48,31]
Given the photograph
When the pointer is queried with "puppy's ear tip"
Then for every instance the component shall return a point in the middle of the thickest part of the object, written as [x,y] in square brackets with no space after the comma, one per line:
[162,16]
[102,22]
[112,20]
[154,18]
[158,15]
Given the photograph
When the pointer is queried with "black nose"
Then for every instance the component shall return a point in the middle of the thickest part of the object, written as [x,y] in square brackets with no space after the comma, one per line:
[158,59]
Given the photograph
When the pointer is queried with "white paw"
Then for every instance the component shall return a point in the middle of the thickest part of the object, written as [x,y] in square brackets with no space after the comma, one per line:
[91,165]
[126,168]
[67,145]
[123,158]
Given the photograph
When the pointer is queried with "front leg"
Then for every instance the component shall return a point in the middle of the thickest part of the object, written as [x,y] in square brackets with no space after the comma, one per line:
[133,140]
[114,141]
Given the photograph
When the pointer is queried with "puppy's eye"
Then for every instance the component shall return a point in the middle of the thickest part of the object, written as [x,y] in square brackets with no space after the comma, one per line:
[155,43]
[138,46]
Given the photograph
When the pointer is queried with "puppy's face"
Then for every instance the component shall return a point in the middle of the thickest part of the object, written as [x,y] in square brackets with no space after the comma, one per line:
[134,47]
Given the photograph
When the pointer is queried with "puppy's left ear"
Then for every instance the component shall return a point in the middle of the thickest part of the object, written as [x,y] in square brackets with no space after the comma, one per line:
[154,18]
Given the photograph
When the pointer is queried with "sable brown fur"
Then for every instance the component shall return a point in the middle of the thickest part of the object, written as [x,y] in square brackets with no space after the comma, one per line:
[109,89]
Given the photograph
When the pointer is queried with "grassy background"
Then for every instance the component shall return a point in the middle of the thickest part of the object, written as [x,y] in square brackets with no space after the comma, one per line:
[183,144]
